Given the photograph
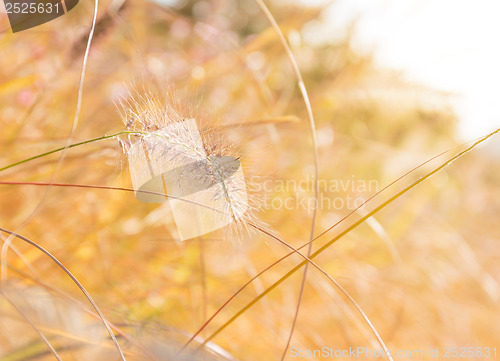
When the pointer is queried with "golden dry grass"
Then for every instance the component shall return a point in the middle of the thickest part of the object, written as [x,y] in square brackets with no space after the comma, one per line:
[424,269]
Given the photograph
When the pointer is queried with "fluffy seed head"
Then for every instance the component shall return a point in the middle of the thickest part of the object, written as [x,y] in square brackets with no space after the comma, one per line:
[167,153]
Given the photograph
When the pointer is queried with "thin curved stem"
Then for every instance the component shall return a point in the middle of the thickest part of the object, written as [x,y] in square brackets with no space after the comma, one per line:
[349,297]
[305,244]
[74,185]
[365,317]
[321,270]
[33,326]
[312,127]
[5,246]
[74,279]
[350,228]
[63,148]
[480,140]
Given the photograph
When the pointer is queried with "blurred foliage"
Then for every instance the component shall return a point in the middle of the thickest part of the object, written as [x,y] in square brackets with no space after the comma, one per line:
[425,270]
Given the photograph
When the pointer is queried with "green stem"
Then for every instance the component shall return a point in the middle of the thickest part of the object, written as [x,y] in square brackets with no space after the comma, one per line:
[63,148]
[336,238]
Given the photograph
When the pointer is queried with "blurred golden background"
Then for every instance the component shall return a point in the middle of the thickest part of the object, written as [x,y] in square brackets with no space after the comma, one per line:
[424,269]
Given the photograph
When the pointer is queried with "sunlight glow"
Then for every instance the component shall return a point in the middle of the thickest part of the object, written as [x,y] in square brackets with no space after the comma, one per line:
[445,44]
